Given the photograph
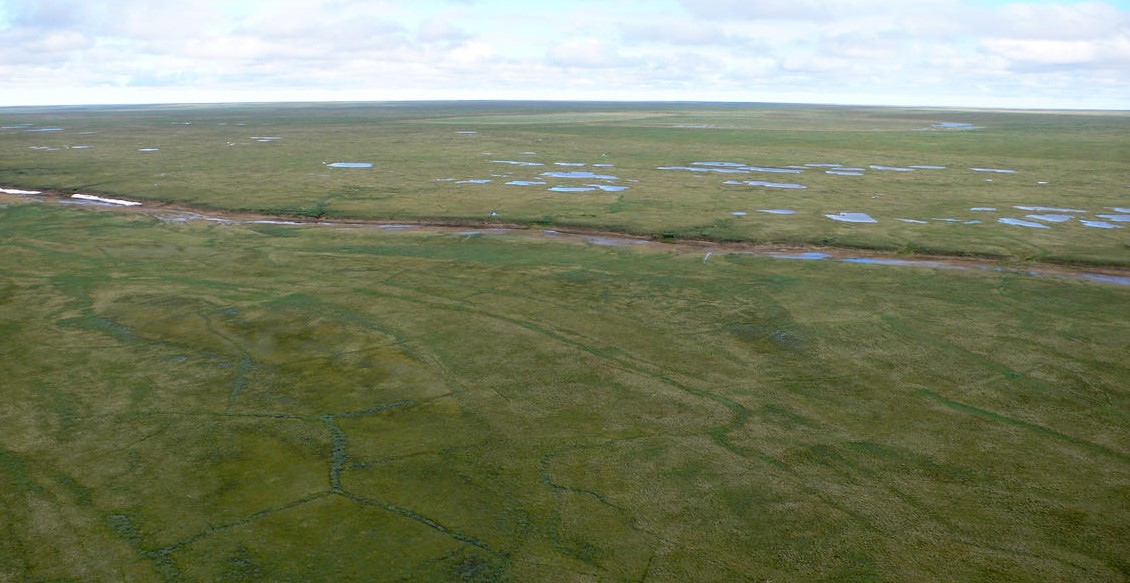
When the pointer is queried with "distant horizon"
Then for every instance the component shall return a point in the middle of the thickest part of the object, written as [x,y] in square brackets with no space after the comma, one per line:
[997,54]
[156,104]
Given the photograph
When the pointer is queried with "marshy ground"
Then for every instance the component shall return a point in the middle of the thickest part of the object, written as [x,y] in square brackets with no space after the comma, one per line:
[197,400]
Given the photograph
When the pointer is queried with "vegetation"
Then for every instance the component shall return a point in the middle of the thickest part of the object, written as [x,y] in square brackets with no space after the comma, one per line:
[207,401]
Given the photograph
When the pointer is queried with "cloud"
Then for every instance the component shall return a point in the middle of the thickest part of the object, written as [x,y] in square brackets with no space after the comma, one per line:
[585,53]
[673,32]
[439,29]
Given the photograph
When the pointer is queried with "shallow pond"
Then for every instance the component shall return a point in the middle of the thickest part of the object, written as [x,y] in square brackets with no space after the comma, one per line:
[517,163]
[1050,218]
[350,165]
[1116,218]
[996,170]
[852,218]
[1022,223]
[1099,224]
[1047,209]
[765,184]
[777,211]
[580,174]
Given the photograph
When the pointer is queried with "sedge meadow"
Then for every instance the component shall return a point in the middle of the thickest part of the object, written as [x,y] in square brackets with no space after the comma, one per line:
[279,367]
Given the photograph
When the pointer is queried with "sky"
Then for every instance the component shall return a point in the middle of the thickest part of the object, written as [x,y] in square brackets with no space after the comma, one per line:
[962,53]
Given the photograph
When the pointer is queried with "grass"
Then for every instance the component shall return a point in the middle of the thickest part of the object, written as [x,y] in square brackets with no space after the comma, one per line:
[420,154]
[237,402]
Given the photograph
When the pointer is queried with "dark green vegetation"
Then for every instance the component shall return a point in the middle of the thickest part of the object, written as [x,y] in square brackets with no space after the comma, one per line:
[220,402]
[207,157]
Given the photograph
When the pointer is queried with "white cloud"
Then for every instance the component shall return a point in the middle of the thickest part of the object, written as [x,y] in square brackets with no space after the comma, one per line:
[928,52]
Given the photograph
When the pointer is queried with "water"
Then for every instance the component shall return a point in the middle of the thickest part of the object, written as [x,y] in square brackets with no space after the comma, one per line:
[739,213]
[1023,223]
[579,174]
[819,165]
[983,208]
[808,255]
[1119,210]
[609,187]
[350,165]
[148,150]
[517,163]
[843,173]
[474,181]
[693,169]
[915,221]
[1051,218]
[569,164]
[776,170]
[892,168]
[1099,225]
[1116,218]
[852,218]
[1047,209]
[116,201]
[467,132]
[731,168]
[953,125]
[18,191]
[1105,278]
[996,170]
[928,167]
[266,138]
[765,184]
[902,262]
[572,189]
[526,182]
[46,130]
[777,211]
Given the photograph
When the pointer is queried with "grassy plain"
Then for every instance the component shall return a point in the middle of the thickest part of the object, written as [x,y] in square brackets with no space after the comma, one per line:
[421,153]
[243,402]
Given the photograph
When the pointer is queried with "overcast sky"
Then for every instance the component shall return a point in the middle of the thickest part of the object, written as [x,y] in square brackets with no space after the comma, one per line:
[1024,54]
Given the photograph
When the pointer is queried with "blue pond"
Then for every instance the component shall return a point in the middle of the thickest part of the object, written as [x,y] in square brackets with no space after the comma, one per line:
[526,182]
[996,170]
[1116,218]
[1051,218]
[1047,209]
[807,255]
[517,163]
[765,184]
[777,211]
[572,188]
[1023,223]
[892,168]
[579,175]
[1099,225]
[852,218]
[844,172]
[350,165]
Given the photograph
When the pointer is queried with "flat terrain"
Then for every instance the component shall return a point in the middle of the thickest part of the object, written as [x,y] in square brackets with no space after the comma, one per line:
[197,400]
[630,167]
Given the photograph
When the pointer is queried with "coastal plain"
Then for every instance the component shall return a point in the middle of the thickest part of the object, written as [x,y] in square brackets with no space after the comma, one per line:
[332,391]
